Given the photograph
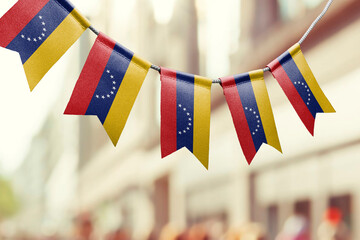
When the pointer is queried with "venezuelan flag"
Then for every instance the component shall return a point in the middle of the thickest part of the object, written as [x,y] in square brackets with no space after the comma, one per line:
[250,107]
[300,86]
[108,85]
[41,32]
[185,114]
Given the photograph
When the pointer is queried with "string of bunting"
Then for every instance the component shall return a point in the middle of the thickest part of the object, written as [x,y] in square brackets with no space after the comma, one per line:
[41,31]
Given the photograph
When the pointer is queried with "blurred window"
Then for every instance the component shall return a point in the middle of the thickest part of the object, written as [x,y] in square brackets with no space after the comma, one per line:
[272,221]
[267,14]
[344,204]
[164,13]
[312,3]
[218,37]
[161,203]
[218,217]
[291,9]
[303,208]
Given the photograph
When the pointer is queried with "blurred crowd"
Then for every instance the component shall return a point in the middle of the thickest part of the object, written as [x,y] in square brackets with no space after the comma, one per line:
[208,232]
[295,228]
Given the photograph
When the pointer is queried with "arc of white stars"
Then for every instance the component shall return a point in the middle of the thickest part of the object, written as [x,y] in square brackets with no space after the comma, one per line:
[189,124]
[307,90]
[108,95]
[257,117]
[40,37]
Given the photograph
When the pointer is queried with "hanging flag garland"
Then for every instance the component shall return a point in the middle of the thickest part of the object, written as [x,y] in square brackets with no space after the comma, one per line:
[185,114]
[251,111]
[300,86]
[41,31]
[108,85]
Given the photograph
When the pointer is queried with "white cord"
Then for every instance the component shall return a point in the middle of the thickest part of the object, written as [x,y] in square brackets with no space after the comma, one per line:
[316,21]
[157,68]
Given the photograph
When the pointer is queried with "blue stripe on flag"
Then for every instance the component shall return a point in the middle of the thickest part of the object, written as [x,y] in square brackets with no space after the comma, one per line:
[39,29]
[297,79]
[124,52]
[109,83]
[185,84]
[66,4]
[248,100]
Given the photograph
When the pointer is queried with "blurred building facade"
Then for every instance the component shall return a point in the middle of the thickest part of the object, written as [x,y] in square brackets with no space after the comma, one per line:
[131,186]
[313,174]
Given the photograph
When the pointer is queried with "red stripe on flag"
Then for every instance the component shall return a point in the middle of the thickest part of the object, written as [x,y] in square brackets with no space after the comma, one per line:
[168,112]
[14,20]
[90,75]
[239,118]
[293,95]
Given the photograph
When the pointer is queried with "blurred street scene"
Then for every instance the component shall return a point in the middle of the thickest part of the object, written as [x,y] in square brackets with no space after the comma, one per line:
[61,177]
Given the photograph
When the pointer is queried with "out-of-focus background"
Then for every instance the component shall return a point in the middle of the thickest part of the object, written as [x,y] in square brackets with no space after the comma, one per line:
[61,178]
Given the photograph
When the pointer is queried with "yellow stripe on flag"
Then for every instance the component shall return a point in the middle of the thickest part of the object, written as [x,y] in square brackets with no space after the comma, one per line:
[266,113]
[54,47]
[202,109]
[125,98]
[309,77]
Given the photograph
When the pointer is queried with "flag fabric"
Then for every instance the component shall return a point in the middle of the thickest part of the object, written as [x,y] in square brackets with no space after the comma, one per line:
[250,107]
[185,114]
[300,86]
[41,32]
[108,85]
